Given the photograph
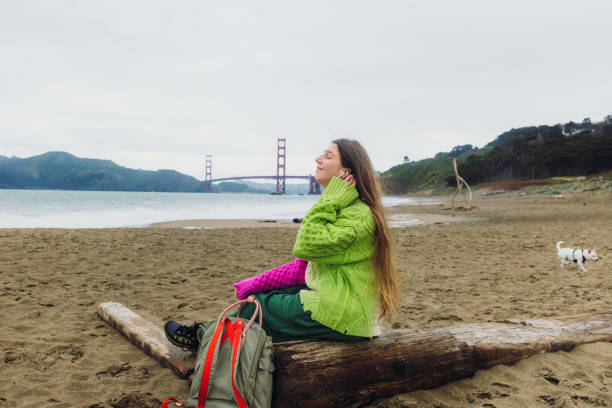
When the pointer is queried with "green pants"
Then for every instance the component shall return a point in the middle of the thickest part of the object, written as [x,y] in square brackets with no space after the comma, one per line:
[284,318]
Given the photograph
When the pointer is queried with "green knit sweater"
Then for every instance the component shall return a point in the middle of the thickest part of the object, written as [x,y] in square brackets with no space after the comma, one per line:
[337,238]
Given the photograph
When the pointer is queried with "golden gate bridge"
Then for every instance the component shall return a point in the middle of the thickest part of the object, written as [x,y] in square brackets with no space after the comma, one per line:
[313,186]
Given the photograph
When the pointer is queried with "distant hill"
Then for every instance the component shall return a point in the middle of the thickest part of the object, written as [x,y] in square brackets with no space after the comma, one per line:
[60,170]
[525,153]
[63,171]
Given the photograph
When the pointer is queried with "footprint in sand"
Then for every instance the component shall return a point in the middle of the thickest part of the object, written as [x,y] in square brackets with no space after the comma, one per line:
[114,370]
[486,395]
[14,357]
[549,376]
[590,400]
[548,399]
[44,360]
[132,400]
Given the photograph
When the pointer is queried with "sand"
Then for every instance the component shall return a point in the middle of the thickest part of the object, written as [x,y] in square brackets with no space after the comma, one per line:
[498,262]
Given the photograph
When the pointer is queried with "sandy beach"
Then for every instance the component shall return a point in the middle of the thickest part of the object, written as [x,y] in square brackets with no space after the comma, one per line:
[494,262]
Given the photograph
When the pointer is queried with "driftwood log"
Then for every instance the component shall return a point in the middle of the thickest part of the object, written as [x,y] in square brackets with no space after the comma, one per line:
[147,337]
[333,374]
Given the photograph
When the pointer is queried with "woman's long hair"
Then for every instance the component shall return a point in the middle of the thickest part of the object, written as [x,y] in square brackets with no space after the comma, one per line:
[354,157]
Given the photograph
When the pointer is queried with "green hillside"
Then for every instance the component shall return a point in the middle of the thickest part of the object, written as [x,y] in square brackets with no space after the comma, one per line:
[528,153]
[427,174]
[60,170]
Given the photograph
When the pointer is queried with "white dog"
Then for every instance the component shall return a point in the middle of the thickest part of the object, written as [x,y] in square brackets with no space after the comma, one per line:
[580,256]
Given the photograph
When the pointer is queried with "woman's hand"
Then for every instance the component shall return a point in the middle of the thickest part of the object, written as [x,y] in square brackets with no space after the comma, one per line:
[348,178]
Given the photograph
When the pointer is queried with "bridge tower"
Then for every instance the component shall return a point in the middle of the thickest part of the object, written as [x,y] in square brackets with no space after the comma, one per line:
[280,167]
[208,174]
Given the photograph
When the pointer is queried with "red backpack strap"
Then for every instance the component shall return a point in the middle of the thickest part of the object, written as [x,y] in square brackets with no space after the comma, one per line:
[236,348]
[210,355]
[174,401]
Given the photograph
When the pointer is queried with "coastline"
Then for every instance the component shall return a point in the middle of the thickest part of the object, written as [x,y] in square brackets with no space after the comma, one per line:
[217,223]
[396,218]
[95,209]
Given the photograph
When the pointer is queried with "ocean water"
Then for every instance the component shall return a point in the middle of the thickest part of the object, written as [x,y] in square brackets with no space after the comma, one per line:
[111,209]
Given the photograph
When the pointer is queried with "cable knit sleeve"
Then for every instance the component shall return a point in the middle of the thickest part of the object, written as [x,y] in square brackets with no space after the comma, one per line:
[281,277]
[322,234]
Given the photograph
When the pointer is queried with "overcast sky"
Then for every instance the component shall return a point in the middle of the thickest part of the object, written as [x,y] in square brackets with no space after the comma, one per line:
[159,84]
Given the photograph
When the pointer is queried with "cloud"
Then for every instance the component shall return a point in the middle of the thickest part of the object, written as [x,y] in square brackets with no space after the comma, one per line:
[158,85]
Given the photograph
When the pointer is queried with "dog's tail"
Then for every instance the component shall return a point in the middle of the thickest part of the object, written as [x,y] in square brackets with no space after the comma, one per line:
[559,245]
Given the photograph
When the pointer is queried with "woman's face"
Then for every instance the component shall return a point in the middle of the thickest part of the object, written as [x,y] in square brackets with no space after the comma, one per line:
[328,165]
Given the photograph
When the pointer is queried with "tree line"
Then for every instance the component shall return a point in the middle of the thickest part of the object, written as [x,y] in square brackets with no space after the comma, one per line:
[539,152]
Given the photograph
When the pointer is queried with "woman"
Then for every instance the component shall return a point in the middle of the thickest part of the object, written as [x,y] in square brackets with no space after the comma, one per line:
[343,280]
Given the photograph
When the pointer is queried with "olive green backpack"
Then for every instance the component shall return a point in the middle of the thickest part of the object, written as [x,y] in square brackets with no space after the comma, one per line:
[234,366]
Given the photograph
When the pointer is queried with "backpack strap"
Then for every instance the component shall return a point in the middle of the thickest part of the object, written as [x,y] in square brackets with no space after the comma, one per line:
[174,401]
[251,299]
[213,349]
[236,348]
